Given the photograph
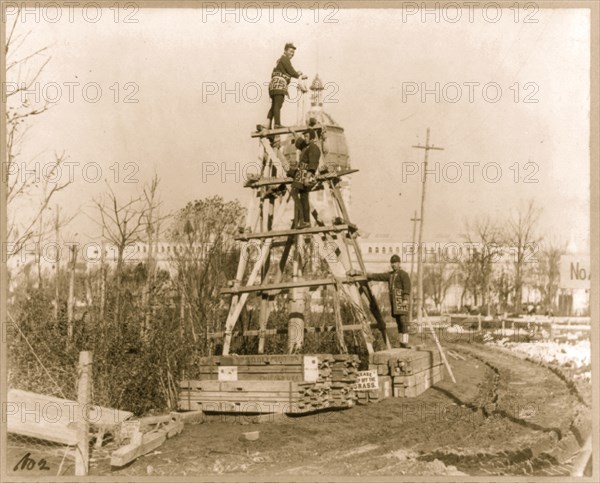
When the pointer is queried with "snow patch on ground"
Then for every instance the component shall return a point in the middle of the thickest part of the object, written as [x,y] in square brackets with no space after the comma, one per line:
[574,355]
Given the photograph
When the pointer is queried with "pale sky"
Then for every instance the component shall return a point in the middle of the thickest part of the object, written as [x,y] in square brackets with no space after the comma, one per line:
[370,57]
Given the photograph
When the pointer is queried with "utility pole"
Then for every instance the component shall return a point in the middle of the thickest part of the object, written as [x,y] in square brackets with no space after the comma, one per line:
[71,299]
[427,148]
[414,219]
[57,263]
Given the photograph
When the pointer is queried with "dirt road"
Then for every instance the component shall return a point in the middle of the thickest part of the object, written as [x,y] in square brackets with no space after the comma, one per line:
[504,416]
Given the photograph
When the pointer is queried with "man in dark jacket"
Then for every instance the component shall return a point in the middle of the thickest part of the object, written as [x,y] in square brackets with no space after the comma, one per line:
[304,177]
[280,79]
[399,288]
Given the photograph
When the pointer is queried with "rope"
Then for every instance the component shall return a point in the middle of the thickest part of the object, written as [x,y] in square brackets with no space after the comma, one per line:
[300,105]
[35,355]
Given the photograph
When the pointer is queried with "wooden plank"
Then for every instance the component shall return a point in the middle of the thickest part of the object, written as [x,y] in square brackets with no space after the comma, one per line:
[242,386]
[308,330]
[244,396]
[250,407]
[164,418]
[126,454]
[364,287]
[339,268]
[51,418]
[415,379]
[173,428]
[99,415]
[339,325]
[569,328]
[292,232]
[259,370]
[299,377]
[403,355]
[382,369]
[192,416]
[286,285]
[285,130]
[47,431]
[238,303]
[285,181]
[267,359]
[415,367]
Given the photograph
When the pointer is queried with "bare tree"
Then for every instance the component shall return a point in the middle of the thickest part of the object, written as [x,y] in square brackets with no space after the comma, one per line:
[503,287]
[152,220]
[122,225]
[547,272]
[477,265]
[24,177]
[522,240]
[437,278]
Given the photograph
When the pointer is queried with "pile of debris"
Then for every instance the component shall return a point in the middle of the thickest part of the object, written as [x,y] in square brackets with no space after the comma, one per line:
[271,383]
[60,421]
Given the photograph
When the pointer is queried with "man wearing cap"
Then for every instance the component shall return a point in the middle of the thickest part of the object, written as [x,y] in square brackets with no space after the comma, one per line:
[304,177]
[399,287]
[280,79]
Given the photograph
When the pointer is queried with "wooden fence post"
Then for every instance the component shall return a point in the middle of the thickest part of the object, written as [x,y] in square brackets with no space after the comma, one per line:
[83,425]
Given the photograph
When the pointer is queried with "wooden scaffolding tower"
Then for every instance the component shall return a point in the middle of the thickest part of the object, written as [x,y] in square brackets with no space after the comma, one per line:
[334,243]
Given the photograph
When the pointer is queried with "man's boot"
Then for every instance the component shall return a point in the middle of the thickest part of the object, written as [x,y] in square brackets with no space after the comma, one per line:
[404,341]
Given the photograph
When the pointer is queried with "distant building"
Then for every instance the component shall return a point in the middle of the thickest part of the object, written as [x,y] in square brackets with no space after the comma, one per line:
[336,157]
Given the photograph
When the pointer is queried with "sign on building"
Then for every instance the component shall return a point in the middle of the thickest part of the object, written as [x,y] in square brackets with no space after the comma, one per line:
[575,271]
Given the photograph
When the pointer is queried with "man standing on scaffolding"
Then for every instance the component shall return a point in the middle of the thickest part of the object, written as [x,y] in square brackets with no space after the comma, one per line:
[278,87]
[304,177]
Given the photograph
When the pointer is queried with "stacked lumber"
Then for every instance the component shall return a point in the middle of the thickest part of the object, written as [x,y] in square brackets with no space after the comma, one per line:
[415,384]
[412,371]
[344,370]
[271,383]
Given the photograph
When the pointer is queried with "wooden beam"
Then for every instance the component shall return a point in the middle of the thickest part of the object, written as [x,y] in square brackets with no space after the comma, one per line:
[82,460]
[284,130]
[287,285]
[308,330]
[303,231]
[339,325]
[257,183]
[126,454]
[60,414]
[238,301]
[364,287]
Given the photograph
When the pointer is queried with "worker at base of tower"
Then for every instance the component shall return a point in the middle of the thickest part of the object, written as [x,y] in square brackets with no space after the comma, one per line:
[399,290]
